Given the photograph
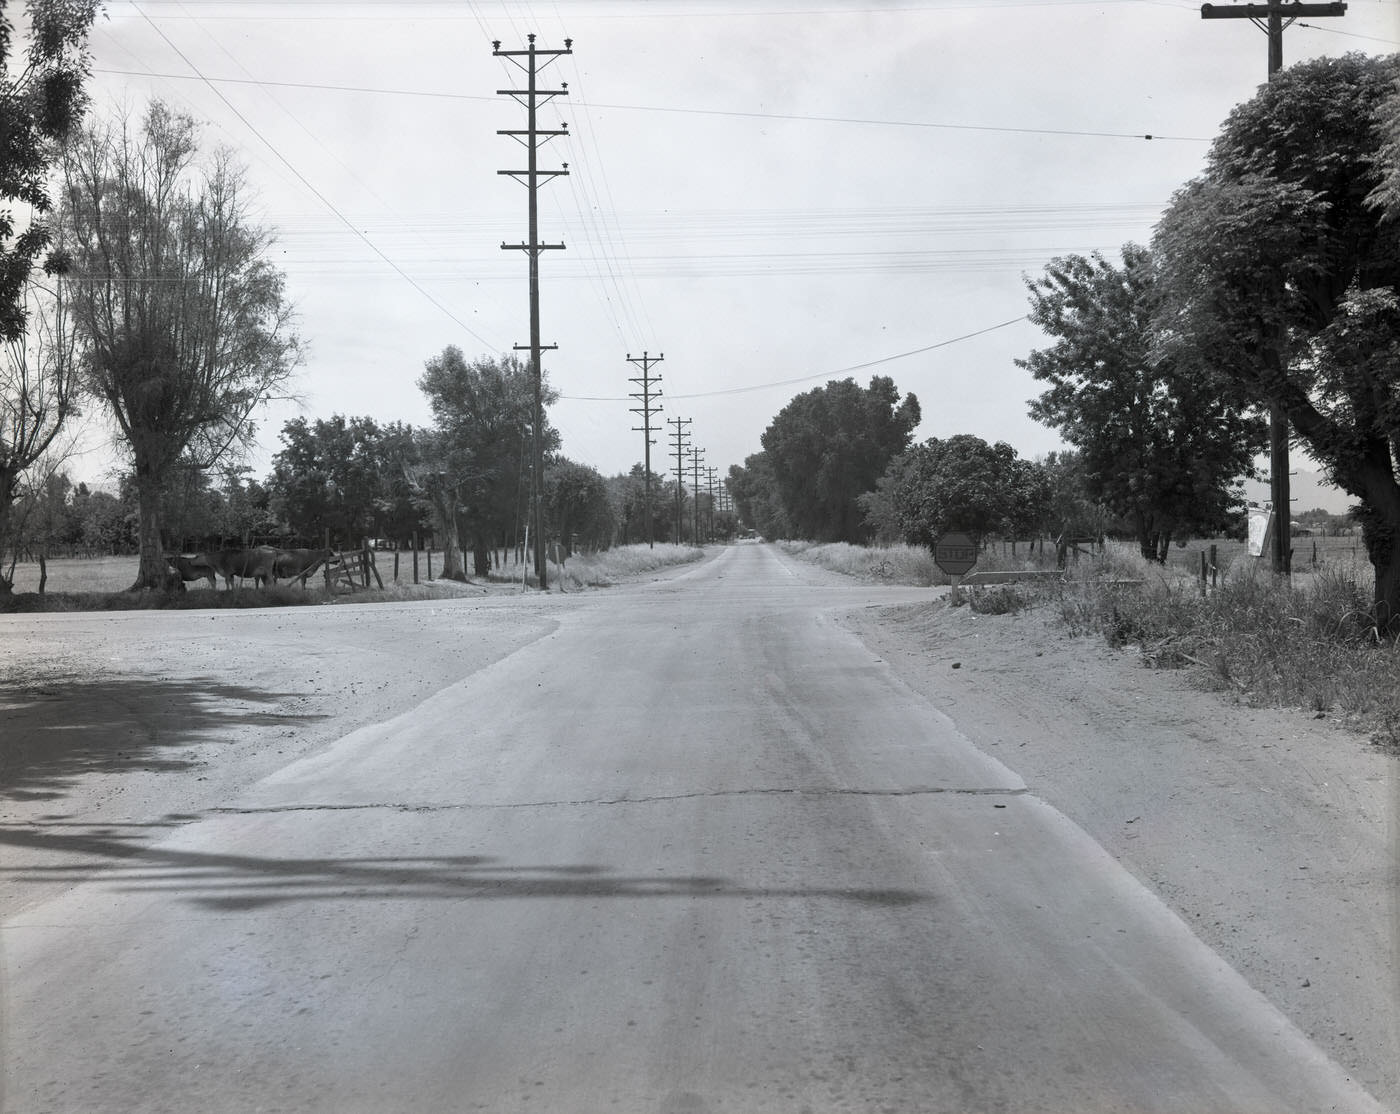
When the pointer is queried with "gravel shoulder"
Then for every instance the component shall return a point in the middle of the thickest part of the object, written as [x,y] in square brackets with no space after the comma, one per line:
[1272,834]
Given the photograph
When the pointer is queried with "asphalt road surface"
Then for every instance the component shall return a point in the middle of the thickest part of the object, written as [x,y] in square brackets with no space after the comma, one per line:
[695,850]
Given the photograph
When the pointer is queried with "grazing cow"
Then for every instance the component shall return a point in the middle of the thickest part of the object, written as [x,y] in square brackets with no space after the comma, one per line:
[298,564]
[257,565]
[191,566]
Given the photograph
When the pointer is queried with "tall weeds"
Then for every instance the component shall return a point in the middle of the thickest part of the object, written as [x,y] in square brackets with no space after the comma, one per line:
[1309,644]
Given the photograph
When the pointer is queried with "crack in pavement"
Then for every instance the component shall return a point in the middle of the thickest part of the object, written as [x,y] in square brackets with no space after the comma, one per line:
[587,802]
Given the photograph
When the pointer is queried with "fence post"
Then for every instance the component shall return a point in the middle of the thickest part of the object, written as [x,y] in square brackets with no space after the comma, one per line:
[415,556]
[396,563]
[1214,568]
[1203,572]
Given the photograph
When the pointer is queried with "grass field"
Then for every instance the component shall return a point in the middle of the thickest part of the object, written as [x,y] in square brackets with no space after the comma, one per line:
[84,576]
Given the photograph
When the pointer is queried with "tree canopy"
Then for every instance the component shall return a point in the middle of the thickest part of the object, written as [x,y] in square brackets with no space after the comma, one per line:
[1281,275]
[1161,440]
[348,476]
[828,447]
[41,102]
[484,412]
[962,484]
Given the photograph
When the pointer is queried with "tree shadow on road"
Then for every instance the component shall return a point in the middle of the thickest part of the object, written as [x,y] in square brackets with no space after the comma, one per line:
[59,727]
[117,857]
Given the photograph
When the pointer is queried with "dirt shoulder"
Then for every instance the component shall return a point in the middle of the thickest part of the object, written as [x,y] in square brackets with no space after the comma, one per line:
[1274,835]
[126,723]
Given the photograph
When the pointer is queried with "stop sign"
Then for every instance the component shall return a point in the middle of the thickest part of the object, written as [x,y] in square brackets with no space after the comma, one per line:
[955,554]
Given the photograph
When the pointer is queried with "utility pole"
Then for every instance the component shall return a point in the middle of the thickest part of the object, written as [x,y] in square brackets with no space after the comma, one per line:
[531,138]
[1272,17]
[710,471]
[696,456]
[645,396]
[681,443]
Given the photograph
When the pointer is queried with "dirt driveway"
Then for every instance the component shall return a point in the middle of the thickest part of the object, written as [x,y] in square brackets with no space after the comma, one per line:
[1273,834]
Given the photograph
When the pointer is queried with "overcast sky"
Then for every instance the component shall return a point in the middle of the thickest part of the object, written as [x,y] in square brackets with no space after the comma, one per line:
[772,193]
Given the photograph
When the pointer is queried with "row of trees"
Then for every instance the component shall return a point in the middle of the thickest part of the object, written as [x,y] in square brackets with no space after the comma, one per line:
[1272,280]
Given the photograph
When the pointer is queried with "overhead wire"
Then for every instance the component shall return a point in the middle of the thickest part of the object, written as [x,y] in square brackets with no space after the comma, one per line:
[321,197]
[796,117]
[822,374]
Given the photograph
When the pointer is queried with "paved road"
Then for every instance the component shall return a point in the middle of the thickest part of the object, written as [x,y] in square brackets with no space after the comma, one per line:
[696,850]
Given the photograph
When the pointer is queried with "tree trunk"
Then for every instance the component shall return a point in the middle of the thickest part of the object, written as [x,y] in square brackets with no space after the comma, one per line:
[481,556]
[152,572]
[1387,606]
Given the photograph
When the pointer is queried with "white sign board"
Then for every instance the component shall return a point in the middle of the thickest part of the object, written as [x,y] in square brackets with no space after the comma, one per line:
[1260,531]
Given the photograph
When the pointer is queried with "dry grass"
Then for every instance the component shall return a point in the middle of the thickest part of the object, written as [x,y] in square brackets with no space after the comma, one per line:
[1308,644]
[624,562]
[894,564]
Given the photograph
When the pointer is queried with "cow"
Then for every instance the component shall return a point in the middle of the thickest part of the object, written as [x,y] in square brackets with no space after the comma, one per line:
[191,566]
[257,565]
[298,564]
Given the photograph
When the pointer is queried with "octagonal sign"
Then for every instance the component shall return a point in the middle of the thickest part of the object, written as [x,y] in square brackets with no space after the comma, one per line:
[955,554]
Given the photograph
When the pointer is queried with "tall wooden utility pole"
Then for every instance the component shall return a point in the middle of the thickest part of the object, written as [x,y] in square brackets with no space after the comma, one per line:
[1272,17]
[710,471]
[645,396]
[532,96]
[681,443]
[696,456]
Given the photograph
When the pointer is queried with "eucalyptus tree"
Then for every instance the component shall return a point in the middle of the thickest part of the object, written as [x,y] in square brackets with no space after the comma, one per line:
[1281,267]
[185,321]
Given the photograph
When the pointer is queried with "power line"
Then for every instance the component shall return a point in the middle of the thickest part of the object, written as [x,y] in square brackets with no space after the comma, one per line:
[819,375]
[1349,34]
[799,117]
[306,182]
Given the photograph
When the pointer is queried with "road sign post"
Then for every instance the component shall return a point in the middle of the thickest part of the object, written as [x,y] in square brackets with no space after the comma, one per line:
[955,554]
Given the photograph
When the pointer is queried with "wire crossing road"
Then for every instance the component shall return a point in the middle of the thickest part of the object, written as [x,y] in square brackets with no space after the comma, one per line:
[695,850]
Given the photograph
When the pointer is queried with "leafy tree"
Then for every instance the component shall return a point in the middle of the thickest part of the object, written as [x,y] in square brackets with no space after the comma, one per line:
[578,509]
[1071,512]
[41,99]
[38,393]
[1282,274]
[41,102]
[185,322]
[628,494]
[756,497]
[484,412]
[105,522]
[348,476]
[1161,442]
[963,485]
[829,446]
